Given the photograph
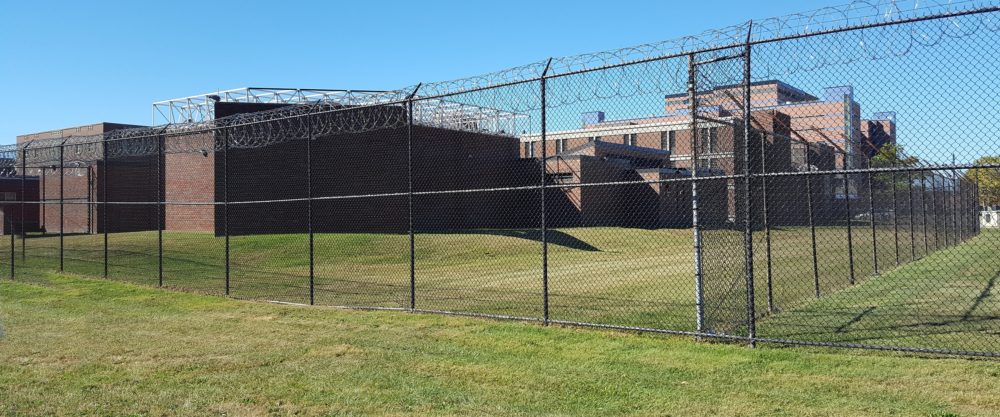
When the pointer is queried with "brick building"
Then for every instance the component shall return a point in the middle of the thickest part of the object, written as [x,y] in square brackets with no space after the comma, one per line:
[795,130]
[81,185]
[802,132]
[11,191]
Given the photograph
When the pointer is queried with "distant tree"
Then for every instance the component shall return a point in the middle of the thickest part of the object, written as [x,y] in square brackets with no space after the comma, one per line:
[988,180]
[892,156]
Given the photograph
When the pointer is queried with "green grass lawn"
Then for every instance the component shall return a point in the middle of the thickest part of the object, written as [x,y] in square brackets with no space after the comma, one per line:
[93,347]
[631,277]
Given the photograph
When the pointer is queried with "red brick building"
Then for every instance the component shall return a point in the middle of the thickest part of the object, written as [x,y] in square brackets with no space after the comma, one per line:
[359,181]
[10,206]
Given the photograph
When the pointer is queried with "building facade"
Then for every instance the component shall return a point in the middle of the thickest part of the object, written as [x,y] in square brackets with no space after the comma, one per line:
[630,173]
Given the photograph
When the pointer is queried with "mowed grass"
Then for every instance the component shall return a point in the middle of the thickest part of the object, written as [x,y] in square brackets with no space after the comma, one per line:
[935,297]
[76,346]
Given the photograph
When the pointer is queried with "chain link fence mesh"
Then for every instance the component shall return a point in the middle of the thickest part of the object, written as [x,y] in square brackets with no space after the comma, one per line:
[826,178]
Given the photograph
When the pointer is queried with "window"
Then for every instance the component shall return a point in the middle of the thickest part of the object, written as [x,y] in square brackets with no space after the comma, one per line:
[668,140]
[529,149]
[707,140]
[630,139]
[594,139]
[560,145]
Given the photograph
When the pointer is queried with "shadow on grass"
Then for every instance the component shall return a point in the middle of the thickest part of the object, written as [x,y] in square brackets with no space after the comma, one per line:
[554,237]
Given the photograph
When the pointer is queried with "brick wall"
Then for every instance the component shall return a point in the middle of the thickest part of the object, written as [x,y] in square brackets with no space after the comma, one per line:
[190,178]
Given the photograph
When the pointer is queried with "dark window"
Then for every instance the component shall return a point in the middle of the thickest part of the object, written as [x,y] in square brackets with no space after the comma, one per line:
[707,140]
[529,149]
[560,145]
[713,139]
[630,139]
[594,139]
[668,140]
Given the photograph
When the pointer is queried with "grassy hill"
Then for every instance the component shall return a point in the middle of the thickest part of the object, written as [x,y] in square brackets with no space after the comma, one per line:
[632,277]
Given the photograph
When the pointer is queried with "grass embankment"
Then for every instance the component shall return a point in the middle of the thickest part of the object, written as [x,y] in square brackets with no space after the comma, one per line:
[617,276]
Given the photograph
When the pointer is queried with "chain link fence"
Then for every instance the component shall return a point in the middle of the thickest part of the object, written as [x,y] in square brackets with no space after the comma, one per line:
[812,179]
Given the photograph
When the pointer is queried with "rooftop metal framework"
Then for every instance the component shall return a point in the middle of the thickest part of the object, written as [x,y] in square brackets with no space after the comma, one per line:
[200,107]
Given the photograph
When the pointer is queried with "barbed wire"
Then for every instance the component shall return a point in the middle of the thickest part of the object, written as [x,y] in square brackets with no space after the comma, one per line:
[453,104]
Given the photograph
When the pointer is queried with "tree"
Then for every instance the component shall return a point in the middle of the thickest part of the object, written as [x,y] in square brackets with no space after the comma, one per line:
[988,180]
[892,155]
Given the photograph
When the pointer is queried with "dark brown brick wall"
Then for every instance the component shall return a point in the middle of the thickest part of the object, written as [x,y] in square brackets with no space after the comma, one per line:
[190,178]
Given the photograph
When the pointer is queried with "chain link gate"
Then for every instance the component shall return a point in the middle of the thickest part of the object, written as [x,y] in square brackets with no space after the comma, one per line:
[722,215]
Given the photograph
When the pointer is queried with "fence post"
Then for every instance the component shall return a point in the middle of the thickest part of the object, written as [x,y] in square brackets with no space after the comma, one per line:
[850,233]
[545,229]
[767,223]
[957,206]
[693,126]
[104,198]
[160,208]
[979,203]
[909,191]
[747,217]
[934,208]
[10,225]
[62,221]
[24,173]
[923,211]
[960,209]
[812,223]
[964,209]
[871,215]
[309,212]
[895,215]
[41,198]
[956,226]
[225,199]
[409,196]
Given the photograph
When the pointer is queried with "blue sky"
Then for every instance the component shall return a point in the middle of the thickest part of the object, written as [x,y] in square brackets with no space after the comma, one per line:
[72,63]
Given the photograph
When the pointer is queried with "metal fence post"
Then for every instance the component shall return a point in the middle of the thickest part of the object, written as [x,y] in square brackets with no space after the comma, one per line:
[309,212]
[895,216]
[409,196]
[160,208]
[909,190]
[812,224]
[956,207]
[544,180]
[62,189]
[10,225]
[871,215]
[747,217]
[977,198]
[934,209]
[767,224]
[923,212]
[24,173]
[104,197]
[964,209]
[956,227]
[225,199]
[693,126]
[850,233]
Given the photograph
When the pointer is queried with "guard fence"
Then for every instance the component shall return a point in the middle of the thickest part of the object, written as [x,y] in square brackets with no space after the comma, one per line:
[812,179]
